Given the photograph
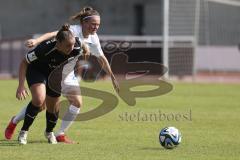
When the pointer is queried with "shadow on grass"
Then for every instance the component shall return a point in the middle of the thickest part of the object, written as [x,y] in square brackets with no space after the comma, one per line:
[38,142]
[152,148]
[6,143]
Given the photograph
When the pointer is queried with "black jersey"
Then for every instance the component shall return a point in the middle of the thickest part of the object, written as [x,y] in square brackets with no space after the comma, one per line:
[45,57]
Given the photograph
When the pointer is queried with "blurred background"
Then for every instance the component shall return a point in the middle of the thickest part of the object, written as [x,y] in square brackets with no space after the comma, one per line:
[198,40]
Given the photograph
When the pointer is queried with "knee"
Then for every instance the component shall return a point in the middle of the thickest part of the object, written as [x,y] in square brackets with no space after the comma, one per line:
[39,101]
[76,102]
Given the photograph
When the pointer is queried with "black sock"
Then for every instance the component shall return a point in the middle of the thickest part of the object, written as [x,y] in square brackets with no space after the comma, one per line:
[51,120]
[30,115]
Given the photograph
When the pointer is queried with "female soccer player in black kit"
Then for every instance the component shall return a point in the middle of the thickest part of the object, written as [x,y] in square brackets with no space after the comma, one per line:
[37,66]
[88,20]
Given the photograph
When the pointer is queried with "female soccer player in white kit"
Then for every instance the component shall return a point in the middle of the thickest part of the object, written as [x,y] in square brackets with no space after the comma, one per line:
[86,32]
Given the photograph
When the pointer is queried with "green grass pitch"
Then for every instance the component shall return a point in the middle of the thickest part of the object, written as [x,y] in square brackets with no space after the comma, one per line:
[209,123]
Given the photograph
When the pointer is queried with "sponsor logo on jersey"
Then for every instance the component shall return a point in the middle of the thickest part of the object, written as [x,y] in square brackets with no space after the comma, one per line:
[31,56]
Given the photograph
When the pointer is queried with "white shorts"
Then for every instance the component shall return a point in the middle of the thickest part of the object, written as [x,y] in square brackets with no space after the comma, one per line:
[70,84]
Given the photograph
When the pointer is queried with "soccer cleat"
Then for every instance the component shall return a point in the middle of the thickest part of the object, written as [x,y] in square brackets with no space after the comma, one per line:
[22,137]
[9,131]
[64,139]
[50,137]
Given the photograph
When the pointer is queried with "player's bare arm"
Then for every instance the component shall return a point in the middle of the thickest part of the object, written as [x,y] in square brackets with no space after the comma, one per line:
[34,42]
[22,92]
[106,67]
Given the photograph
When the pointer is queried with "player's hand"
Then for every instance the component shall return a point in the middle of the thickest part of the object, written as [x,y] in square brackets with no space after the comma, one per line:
[86,55]
[21,93]
[86,51]
[31,43]
[115,84]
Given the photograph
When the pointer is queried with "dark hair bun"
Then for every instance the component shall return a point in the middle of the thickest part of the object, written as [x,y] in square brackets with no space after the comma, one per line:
[65,27]
[85,9]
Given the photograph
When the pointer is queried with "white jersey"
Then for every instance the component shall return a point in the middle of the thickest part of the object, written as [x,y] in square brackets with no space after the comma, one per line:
[70,83]
[92,41]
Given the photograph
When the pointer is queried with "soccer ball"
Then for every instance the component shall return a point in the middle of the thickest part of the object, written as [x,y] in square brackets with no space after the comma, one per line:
[170,137]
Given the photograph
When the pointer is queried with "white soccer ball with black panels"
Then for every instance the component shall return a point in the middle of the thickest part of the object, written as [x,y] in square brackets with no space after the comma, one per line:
[170,137]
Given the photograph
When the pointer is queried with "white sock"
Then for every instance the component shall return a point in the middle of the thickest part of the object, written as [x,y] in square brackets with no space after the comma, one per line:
[68,119]
[20,116]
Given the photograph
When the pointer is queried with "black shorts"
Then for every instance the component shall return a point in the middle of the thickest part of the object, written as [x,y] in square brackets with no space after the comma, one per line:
[33,76]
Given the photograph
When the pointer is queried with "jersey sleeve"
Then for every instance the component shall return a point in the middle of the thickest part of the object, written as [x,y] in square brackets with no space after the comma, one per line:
[95,48]
[40,51]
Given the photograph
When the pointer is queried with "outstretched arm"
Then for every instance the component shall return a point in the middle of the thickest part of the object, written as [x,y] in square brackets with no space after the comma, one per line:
[106,67]
[21,92]
[34,42]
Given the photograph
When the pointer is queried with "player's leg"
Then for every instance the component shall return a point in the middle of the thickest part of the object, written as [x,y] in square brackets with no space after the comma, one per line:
[37,84]
[38,92]
[75,102]
[10,129]
[20,116]
[52,111]
[71,90]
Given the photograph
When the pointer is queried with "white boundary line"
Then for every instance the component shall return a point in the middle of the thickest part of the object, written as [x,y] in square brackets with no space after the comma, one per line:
[227,2]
